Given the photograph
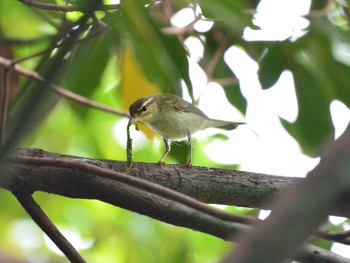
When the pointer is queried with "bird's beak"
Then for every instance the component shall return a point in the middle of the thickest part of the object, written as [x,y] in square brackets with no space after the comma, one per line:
[133,120]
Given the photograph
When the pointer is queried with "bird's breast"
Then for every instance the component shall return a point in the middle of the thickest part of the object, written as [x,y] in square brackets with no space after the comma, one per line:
[177,125]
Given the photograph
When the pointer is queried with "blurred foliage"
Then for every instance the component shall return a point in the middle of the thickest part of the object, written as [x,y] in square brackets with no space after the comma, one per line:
[319,79]
[150,45]
[130,86]
[126,55]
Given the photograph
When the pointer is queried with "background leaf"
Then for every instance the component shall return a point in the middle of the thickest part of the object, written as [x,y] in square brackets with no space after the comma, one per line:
[84,74]
[319,79]
[161,57]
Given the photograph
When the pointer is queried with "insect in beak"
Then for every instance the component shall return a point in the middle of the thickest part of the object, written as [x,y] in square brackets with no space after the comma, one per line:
[133,120]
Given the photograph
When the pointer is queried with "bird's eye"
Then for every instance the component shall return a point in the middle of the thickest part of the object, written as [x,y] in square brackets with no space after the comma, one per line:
[143,109]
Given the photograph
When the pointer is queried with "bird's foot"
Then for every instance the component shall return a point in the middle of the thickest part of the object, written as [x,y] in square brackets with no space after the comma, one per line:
[189,164]
[160,163]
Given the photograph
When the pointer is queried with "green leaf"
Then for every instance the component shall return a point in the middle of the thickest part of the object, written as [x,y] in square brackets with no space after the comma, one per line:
[319,78]
[235,97]
[319,5]
[313,125]
[162,57]
[232,14]
[88,61]
[273,63]
[222,71]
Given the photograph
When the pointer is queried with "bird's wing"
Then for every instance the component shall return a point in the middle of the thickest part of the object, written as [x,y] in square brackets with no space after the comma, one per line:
[184,106]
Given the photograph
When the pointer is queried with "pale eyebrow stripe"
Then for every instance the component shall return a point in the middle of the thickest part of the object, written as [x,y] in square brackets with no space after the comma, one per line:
[145,103]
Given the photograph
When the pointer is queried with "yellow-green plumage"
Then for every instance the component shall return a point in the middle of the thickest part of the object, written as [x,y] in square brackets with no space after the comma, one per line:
[173,118]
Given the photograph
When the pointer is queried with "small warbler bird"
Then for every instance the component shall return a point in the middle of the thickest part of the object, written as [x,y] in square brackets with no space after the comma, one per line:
[174,119]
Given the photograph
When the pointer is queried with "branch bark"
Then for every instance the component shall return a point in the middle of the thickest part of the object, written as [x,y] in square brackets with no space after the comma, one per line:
[195,182]
[209,185]
[41,219]
[301,211]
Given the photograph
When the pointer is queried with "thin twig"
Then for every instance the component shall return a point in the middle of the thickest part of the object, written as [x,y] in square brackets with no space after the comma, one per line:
[65,8]
[59,90]
[57,45]
[226,81]
[83,100]
[3,102]
[15,41]
[168,12]
[210,67]
[322,12]
[138,183]
[172,30]
[42,220]
[343,237]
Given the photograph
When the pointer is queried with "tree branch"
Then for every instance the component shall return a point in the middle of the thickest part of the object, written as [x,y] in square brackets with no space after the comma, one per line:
[65,8]
[8,64]
[83,184]
[299,213]
[60,44]
[135,182]
[4,100]
[41,219]
[209,185]
[343,237]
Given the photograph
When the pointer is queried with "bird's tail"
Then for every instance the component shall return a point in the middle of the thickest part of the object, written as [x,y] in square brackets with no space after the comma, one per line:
[225,125]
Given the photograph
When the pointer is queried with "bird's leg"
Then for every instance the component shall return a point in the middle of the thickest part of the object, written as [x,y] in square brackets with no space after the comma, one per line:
[189,163]
[167,150]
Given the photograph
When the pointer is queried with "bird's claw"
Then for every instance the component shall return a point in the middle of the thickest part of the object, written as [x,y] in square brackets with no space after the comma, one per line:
[189,164]
[160,163]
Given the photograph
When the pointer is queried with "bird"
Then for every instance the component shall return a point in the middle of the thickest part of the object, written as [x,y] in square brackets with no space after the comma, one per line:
[174,118]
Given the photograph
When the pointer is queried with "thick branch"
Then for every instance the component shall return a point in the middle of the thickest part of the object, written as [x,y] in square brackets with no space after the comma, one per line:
[209,185]
[74,183]
[301,211]
[132,181]
[77,184]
